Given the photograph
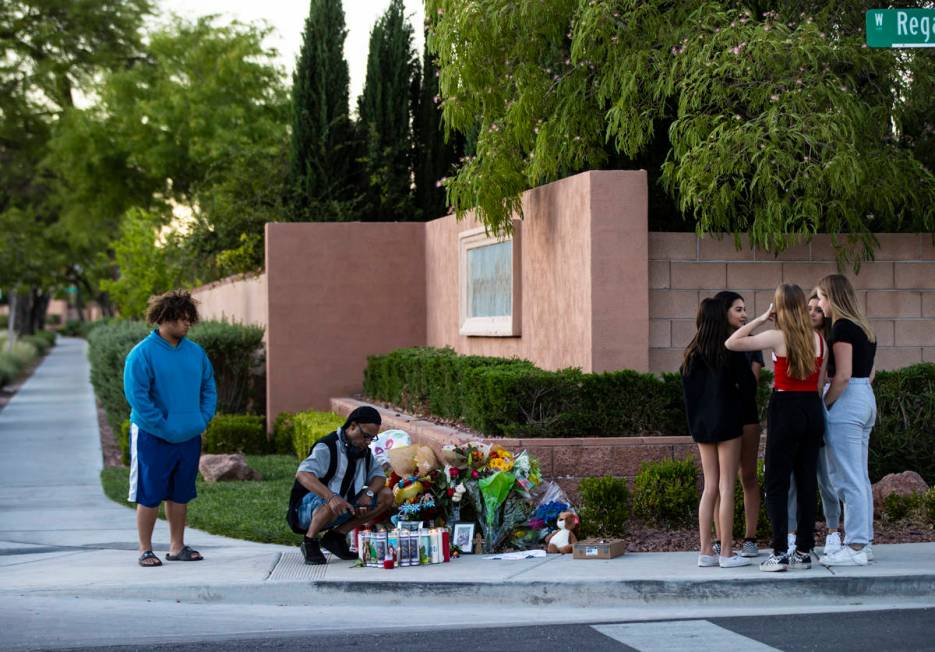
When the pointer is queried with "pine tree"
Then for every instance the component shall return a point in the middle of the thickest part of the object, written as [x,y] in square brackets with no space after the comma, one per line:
[384,118]
[434,158]
[322,149]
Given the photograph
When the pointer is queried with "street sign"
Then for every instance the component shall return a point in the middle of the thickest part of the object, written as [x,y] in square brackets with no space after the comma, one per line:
[901,28]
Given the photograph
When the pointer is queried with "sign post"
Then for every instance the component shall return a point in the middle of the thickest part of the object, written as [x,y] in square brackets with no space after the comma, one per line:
[901,28]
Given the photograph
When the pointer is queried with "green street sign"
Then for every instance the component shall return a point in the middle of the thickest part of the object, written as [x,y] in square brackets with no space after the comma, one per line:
[901,28]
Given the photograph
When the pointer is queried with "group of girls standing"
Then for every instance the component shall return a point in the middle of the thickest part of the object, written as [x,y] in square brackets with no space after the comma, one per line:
[818,433]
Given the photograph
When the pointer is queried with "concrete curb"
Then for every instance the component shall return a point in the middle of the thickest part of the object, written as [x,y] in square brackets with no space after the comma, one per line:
[805,590]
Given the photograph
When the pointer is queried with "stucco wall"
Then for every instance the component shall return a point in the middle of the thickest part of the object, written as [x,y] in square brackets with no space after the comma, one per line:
[240,299]
[338,292]
[897,289]
[584,276]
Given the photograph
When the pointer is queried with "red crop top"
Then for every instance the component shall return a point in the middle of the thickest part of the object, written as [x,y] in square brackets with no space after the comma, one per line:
[784,383]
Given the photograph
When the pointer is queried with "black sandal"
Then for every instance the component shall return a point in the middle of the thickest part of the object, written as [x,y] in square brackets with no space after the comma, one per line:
[185,554]
[145,557]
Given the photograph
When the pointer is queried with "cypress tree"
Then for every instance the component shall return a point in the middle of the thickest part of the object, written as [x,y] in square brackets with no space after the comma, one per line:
[322,149]
[385,118]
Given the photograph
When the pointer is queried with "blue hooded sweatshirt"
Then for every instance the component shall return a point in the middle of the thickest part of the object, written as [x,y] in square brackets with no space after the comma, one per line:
[170,388]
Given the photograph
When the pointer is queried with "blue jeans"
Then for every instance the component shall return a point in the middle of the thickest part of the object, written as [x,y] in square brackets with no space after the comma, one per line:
[313,501]
[847,440]
[830,504]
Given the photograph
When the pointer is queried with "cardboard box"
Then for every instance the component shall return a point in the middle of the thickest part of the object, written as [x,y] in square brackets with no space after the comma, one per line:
[599,548]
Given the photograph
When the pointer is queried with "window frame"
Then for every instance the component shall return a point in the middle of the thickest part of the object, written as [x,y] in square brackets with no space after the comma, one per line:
[504,325]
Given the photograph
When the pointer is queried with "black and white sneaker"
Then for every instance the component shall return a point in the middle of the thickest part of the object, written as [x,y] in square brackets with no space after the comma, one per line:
[749,548]
[775,564]
[337,544]
[311,551]
[800,561]
[717,547]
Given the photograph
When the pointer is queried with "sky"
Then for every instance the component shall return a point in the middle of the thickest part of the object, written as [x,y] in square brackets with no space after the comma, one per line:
[287,18]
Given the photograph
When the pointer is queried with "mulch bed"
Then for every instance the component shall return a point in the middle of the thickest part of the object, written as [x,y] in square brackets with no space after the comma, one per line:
[112,454]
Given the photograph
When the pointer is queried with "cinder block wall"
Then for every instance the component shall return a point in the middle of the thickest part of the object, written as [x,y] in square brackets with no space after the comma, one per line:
[897,289]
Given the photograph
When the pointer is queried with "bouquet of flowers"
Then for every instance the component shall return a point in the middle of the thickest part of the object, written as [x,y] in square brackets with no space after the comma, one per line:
[499,483]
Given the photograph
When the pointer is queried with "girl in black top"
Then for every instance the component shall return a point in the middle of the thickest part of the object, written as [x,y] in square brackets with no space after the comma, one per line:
[735,313]
[851,413]
[711,387]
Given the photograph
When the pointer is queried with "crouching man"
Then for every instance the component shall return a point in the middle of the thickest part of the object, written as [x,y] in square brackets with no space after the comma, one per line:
[338,487]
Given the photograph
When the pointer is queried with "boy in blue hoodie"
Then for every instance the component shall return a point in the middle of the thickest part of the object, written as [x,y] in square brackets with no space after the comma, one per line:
[169,383]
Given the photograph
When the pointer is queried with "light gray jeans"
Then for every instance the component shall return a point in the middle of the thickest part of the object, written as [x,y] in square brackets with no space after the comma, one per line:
[830,504]
[847,444]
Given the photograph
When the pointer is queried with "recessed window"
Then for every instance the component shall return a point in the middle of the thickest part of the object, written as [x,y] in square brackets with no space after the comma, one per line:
[490,284]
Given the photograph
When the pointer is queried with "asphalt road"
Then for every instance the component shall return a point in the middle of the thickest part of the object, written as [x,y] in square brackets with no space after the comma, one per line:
[873,631]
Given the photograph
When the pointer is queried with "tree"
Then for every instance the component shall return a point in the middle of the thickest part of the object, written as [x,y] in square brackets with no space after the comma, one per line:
[50,48]
[385,117]
[195,123]
[436,154]
[322,149]
[774,119]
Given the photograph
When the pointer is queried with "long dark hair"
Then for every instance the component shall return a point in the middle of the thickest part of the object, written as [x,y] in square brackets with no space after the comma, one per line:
[708,342]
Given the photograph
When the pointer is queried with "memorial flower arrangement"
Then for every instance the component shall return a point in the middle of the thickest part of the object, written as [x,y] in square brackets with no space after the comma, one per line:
[498,482]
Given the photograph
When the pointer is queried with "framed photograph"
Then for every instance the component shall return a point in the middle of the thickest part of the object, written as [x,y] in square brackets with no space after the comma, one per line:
[412,526]
[463,537]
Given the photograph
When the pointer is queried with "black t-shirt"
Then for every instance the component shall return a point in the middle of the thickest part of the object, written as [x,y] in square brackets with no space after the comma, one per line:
[863,350]
[754,356]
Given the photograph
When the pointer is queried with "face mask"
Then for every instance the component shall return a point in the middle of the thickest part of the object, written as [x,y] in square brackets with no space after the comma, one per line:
[561,524]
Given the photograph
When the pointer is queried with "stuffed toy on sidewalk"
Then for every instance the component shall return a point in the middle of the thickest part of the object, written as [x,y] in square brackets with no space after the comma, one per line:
[563,539]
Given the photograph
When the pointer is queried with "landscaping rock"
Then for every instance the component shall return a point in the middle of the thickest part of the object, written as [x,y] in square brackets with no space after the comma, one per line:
[903,484]
[220,468]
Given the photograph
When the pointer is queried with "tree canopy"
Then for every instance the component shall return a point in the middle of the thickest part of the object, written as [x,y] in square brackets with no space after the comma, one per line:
[767,118]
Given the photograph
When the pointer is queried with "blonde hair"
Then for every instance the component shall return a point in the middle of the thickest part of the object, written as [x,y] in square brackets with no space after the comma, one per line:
[840,294]
[792,319]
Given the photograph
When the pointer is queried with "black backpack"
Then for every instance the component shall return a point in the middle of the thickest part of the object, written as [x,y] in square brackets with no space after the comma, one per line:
[347,484]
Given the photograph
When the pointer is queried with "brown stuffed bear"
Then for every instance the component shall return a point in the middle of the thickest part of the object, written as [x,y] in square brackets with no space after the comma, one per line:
[563,539]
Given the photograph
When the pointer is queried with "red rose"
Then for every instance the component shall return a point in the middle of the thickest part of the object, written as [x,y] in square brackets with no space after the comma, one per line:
[451,492]
[474,474]
[453,472]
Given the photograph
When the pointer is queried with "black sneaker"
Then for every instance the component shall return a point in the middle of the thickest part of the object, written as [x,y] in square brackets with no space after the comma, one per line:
[800,560]
[337,544]
[775,564]
[312,552]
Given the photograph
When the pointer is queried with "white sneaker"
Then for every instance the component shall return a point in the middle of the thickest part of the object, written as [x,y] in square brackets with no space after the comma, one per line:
[832,543]
[733,562]
[790,539]
[868,550]
[706,561]
[846,556]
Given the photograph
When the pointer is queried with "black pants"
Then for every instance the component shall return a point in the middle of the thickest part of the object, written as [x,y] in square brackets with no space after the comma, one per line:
[795,425]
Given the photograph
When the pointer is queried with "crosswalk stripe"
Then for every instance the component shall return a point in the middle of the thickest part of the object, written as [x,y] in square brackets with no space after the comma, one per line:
[680,635]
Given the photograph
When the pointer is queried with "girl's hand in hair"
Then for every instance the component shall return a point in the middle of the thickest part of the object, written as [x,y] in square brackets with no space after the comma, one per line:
[769,315]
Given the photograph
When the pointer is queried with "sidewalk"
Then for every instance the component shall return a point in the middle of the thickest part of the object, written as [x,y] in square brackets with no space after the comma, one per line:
[60,536]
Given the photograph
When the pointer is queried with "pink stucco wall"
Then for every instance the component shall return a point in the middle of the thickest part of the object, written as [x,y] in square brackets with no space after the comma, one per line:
[585,292]
[240,299]
[338,292]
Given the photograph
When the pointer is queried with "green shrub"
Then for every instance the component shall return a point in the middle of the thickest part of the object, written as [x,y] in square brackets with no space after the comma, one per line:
[41,340]
[284,432]
[897,507]
[309,427]
[228,346]
[4,321]
[53,320]
[903,438]
[236,433]
[9,367]
[665,493]
[605,507]
[928,507]
[510,397]
[72,328]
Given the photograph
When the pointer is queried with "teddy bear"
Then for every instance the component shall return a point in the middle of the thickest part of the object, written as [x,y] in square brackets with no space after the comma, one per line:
[563,539]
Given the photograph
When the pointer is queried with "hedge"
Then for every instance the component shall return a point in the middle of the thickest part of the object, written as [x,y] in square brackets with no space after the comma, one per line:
[309,427]
[26,350]
[232,349]
[508,397]
[236,433]
[903,438]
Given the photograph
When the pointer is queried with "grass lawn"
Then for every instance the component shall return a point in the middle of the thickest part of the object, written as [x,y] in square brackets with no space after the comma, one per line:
[255,511]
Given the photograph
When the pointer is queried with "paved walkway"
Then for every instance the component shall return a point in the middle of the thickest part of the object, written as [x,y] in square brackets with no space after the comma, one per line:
[62,539]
